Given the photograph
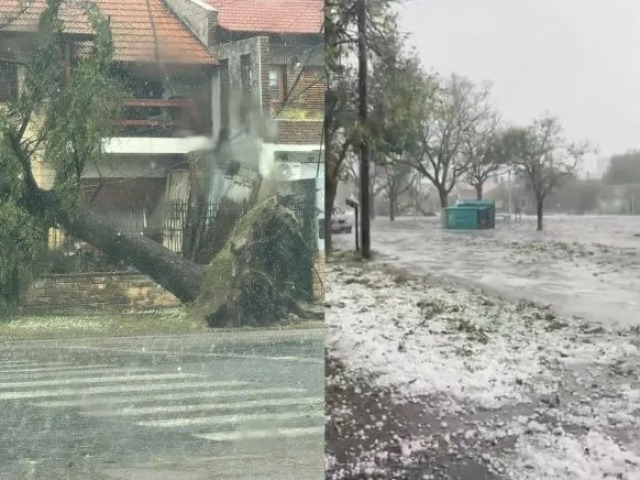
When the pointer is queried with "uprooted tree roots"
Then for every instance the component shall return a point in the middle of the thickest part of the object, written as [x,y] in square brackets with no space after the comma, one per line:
[262,272]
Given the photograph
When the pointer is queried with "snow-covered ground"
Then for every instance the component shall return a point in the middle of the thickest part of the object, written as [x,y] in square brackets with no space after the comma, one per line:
[536,392]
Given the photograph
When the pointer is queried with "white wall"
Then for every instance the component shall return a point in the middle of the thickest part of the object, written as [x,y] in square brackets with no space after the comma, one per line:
[152,145]
[304,162]
[121,166]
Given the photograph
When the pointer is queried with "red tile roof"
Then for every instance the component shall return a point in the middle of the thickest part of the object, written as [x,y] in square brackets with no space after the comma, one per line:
[143,30]
[270,16]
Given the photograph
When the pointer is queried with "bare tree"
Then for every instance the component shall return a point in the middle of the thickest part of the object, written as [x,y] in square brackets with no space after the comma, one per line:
[484,151]
[454,115]
[351,174]
[395,177]
[544,157]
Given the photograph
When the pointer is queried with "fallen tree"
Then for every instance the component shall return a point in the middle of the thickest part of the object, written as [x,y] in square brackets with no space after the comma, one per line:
[172,271]
[255,279]
[59,121]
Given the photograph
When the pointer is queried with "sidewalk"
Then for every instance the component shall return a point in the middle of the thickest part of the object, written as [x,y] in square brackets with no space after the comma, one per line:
[472,386]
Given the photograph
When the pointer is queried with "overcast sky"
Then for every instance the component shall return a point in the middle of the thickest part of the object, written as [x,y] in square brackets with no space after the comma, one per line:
[577,59]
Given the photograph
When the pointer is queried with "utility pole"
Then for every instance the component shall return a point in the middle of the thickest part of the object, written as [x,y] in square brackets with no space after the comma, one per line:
[417,197]
[509,195]
[365,214]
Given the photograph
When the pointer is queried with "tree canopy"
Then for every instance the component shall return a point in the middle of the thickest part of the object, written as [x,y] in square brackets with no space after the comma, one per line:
[624,169]
[57,122]
[541,153]
[455,119]
[61,115]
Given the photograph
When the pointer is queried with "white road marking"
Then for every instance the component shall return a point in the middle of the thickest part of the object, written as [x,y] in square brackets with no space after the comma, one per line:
[203,407]
[202,354]
[37,368]
[230,419]
[174,396]
[66,372]
[111,389]
[261,434]
[20,366]
[90,380]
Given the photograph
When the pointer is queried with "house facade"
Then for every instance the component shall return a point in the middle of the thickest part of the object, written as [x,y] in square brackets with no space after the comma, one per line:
[168,75]
[225,95]
[268,100]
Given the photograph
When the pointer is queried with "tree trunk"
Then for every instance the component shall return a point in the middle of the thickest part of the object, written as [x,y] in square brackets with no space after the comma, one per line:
[540,209]
[392,206]
[444,198]
[479,190]
[330,191]
[172,271]
[372,203]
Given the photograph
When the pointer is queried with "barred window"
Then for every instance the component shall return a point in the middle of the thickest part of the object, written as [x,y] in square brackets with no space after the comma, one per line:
[277,82]
[8,82]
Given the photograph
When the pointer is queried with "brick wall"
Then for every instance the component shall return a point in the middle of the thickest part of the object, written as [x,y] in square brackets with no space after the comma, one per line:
[123,291]
[308,93]
[305,91]
[117,291]
[298,132]
[319,276]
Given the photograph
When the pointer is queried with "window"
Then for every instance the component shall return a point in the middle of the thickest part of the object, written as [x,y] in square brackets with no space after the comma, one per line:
[225,85]
[245,80]
[245,74]
[277,85]
[8,82]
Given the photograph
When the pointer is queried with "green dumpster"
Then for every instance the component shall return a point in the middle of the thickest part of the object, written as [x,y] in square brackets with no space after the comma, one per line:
[489,204]
[469,217]
[461,218]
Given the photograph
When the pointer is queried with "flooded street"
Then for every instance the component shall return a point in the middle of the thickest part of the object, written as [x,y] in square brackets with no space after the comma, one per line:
[587,266]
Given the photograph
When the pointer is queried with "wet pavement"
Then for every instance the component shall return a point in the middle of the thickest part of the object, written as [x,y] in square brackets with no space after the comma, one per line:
[216,406]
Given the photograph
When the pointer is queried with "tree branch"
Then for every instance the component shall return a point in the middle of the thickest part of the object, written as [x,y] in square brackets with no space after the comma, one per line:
[30,183]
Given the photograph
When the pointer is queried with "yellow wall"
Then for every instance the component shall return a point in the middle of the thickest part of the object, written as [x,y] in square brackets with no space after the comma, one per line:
[43,175]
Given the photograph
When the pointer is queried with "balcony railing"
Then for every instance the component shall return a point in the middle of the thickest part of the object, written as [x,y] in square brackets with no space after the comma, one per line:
[161,118]
[295,111]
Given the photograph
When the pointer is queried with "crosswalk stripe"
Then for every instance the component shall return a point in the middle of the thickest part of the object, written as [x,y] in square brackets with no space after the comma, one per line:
[17,395]
[144,393]
[174,396]
[205,354]
[75,372]
[20,366]
[229,419]
[203,407]
[90,380]
[58,368]
[261,434]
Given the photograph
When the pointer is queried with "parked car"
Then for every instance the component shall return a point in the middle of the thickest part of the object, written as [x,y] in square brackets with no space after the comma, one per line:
[340,222]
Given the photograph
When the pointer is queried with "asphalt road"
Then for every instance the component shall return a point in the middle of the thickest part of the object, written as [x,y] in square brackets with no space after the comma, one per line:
[245,405]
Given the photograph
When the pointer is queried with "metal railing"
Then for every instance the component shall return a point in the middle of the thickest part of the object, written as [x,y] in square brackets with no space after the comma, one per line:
[160,117]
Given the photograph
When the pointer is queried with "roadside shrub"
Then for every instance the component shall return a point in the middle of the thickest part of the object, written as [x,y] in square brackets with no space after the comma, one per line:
[22,244]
